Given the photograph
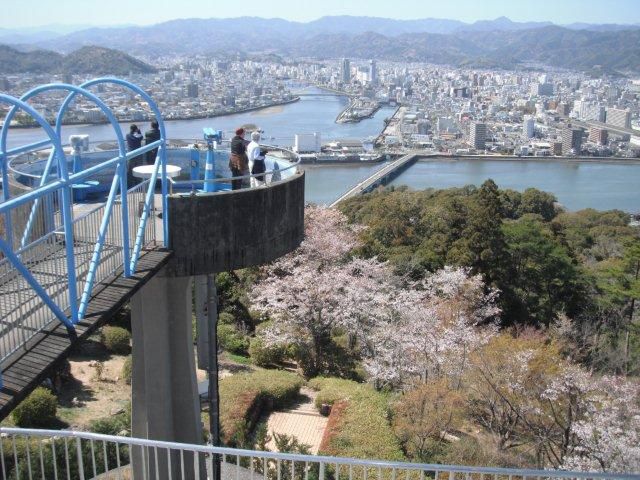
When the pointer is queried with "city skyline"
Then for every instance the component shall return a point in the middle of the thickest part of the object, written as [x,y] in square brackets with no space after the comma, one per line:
[44,13]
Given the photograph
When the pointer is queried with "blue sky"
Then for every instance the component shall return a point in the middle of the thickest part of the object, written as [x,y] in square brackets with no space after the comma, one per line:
[29,13]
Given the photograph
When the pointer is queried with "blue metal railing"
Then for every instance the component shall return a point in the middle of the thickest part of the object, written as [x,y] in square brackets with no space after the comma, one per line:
[55,187]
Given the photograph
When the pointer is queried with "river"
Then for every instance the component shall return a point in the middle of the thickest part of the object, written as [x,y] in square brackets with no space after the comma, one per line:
[308,115]
[576,185]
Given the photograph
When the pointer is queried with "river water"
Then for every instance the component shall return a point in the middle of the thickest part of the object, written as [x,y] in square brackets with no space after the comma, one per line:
[576,185]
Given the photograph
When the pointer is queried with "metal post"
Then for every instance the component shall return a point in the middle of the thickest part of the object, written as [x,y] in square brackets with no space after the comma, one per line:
[67,218]
[201,300]
[214,397]
[209,172]
[124,208]
[6,194]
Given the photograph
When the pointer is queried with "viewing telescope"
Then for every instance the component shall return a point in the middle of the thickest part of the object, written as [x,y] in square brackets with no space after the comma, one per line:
[210,135]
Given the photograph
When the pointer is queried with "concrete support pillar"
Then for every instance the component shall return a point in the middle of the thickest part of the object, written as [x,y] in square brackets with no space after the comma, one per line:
[165,403]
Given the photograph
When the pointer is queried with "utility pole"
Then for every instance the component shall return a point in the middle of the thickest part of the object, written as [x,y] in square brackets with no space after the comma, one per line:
[207,327]
[214,396]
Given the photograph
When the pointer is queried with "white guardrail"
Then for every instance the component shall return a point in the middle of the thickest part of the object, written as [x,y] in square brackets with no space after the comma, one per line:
[53,454]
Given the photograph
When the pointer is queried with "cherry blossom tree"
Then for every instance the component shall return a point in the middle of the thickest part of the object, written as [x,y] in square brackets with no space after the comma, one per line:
[319,289]
[607,437]
[436,325]
[534,400]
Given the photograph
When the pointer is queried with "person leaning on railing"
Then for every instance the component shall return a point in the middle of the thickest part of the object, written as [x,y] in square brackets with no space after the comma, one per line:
[256,155]
[238,161]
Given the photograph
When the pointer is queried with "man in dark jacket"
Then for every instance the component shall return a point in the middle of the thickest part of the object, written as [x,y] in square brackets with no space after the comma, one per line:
[238,162]
[134,141]
[151,136]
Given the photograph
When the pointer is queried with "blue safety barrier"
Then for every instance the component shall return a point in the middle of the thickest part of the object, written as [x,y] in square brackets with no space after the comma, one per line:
[56,187]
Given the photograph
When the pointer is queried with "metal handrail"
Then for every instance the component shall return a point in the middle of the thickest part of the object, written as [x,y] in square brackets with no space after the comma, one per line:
[85,228]
[292,165]
[13,167]
[322,461]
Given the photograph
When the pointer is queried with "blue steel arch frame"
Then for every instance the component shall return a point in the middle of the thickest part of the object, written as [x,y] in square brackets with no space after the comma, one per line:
[5,207]
[120,177]
[162,150]
[65,183]
[75,90]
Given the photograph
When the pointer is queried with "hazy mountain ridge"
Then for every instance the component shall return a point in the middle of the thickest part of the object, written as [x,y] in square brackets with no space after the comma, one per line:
[499,42]
[90,60]
[198,35]
[549,45]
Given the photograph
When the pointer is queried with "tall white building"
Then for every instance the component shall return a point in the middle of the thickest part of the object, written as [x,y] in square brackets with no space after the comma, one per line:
[345,71]
[373,72]
[619,117]
[528,127]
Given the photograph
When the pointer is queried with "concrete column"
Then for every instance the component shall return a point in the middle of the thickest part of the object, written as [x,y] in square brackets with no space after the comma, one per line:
[165,403]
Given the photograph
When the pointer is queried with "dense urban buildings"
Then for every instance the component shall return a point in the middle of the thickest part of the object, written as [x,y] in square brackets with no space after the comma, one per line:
[446,109]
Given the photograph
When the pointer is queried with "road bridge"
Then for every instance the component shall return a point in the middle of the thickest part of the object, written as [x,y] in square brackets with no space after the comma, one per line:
[382,176]
[328,94]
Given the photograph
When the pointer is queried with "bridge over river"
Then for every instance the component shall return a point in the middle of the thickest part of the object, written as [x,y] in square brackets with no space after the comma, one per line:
[382,176]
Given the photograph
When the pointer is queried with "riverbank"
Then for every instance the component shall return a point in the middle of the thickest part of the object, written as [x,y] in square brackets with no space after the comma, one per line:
[390,127]
[426,157]
[429,157]
[191,117]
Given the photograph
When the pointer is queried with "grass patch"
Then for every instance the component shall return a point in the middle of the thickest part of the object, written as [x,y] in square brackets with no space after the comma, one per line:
[235,358]
[358,425]
[243,397]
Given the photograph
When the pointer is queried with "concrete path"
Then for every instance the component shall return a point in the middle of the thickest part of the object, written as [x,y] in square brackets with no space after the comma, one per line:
[303,422]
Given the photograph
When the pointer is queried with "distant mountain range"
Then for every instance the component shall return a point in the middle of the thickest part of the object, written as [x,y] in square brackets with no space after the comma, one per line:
[90,60]
[498,43]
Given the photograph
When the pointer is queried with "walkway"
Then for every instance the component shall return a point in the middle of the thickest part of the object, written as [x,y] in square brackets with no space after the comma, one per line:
[29,365]
[303,422]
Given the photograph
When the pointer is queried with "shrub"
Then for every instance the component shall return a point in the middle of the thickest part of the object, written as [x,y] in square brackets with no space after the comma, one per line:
[231,340]
[126,370]
[99,370]
[469,451]
[226,318]
[359,421]
[266,356]
[242,396]
[116,339]
[37,410]
[113,425]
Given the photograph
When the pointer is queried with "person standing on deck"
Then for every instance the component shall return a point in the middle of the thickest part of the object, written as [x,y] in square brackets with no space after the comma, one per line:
[256,159]
[134,141]
[238,162]
[151,136]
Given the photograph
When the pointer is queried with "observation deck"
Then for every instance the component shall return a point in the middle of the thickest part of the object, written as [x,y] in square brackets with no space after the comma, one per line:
[78,239]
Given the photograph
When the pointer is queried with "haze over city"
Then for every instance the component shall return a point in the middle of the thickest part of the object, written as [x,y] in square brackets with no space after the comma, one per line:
[36,13]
